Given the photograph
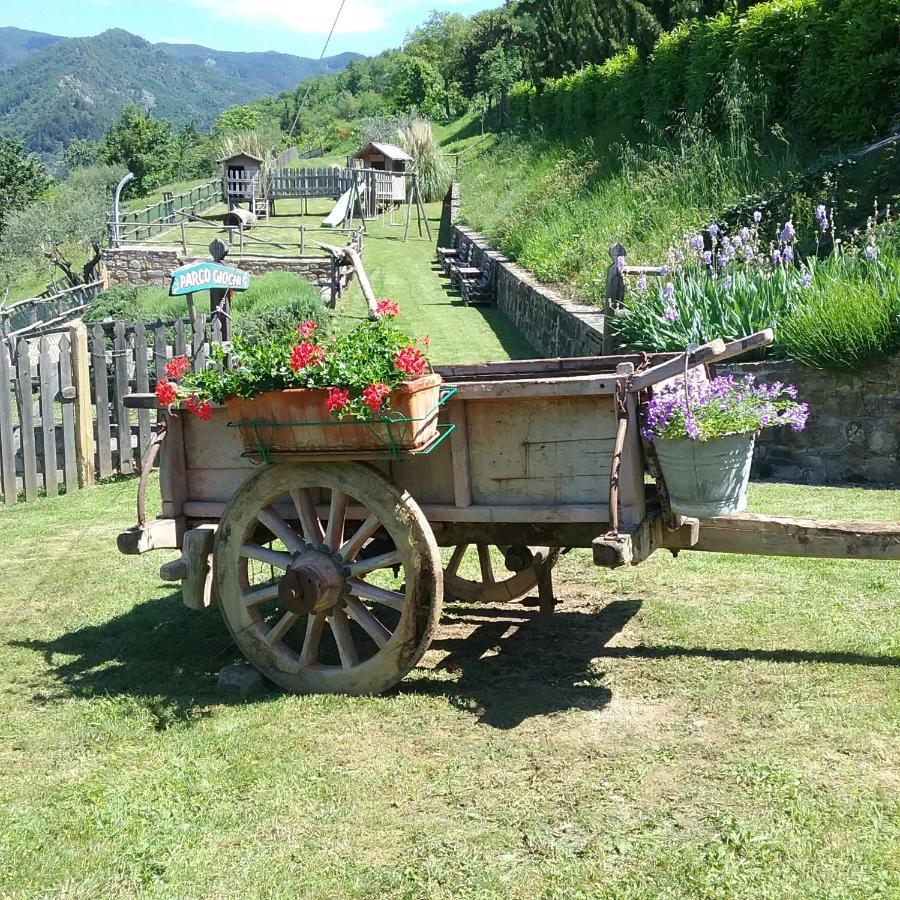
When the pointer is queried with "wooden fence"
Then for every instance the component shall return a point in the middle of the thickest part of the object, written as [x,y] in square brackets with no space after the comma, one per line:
[63,420]
[150,220]
[47,310]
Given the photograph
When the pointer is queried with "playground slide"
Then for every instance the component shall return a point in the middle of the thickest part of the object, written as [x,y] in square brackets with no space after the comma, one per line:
[339,213]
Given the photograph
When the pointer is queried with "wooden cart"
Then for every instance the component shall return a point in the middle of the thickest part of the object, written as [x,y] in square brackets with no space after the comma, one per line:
[328,570]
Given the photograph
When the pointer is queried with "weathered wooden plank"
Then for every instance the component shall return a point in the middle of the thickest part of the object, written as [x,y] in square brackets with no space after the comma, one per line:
[705,353]
[26,421]
[67,395]
[459,447]
[785,536]
[123,421]
[7,451]
[532,388]
[101,403]
[160,353]
[142,384]
[180,342]
[84,419]
[48,374]
[198,341]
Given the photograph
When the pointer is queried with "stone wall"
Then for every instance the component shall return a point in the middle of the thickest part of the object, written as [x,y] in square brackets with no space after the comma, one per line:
[553,325]
[132,265]
[853,433]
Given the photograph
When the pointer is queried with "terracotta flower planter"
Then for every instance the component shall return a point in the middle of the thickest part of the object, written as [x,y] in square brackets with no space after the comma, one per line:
[296,420]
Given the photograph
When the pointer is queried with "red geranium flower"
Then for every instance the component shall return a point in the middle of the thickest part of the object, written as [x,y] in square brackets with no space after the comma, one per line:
[411,361]
[337,399]
[166,393]
[387,308]
[178,367]
[306,354]
[374,395]
[199,408]
[306,329]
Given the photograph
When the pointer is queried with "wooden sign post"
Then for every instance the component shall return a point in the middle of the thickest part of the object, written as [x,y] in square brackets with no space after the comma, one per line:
[220,280]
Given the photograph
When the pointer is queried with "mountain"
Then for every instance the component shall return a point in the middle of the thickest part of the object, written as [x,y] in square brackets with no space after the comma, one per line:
[277,71]
[16,44]
[61,89]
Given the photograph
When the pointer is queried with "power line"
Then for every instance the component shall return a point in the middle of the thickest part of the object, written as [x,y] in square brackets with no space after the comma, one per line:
[321,57]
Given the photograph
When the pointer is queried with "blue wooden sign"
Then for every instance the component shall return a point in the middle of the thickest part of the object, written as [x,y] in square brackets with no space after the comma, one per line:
[207,276]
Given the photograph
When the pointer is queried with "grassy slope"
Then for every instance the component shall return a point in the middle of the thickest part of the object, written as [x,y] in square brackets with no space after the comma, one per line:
[707,726]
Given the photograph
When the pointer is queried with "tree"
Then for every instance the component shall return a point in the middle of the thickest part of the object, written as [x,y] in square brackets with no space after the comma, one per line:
[418,85]
[143,145]
[500,69]
[22,179]
[65,230]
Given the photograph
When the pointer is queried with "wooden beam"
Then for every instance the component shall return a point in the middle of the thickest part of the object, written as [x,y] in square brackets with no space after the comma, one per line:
[664,371]
[784,536]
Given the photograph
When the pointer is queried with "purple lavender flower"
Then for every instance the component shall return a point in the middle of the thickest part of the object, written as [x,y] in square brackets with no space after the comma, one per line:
[669,314]
[707,257]
[713,231]
[787,233]
[749,253]
[746,234]
[806,280]
[620,264]
[822,217]
[788,254]
[737,241]
[695,242]
[669,292]
[776,256]
[727,282]
[641,283]
[757,217]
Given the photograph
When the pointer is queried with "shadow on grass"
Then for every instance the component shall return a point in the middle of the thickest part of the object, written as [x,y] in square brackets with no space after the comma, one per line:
[516,664]
[739,654]
[159,653]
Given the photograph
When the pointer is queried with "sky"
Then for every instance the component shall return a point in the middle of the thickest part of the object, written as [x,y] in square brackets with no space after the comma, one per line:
[289,26]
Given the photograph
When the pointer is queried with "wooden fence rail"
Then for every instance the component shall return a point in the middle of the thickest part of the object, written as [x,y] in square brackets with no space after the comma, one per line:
[63,420]
[150,220]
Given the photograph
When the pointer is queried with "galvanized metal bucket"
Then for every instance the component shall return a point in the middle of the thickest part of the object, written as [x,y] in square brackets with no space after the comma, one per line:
[707,478]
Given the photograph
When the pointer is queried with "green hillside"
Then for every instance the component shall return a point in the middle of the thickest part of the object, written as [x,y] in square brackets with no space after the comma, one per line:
[16,44]
[76,87]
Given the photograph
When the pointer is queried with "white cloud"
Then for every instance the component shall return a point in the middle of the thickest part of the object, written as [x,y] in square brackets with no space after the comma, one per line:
[302,16]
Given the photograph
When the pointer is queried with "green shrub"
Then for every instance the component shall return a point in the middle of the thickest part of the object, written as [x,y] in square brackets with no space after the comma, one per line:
[849,318]
[275,304]
[135,303]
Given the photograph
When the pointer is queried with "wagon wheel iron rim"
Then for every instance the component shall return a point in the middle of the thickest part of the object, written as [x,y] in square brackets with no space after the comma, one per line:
[329,577]
[494,584]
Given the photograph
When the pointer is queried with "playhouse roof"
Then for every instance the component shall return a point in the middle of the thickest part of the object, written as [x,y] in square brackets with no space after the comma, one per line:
[391,151]
[250,156]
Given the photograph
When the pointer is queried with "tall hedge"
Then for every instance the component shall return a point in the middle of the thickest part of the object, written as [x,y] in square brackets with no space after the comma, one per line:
[828,69]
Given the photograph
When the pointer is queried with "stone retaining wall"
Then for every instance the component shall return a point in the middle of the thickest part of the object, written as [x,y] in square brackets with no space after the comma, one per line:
[132,265]
[853,433]
[552,325]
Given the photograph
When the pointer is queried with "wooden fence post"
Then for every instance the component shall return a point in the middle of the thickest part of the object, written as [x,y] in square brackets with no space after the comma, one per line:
[7,454]
[615,292]
[84,417]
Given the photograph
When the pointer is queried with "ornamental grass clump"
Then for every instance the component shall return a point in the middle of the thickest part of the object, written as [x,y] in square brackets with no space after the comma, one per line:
[703,410]
[359,369]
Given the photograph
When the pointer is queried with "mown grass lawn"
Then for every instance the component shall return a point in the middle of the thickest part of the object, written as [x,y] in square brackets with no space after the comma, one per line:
[709,726]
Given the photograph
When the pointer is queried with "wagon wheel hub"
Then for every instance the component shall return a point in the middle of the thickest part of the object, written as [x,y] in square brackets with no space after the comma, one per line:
[312,584]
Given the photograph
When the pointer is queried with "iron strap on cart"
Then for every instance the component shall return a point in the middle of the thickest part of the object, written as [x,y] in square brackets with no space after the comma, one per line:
[327,567]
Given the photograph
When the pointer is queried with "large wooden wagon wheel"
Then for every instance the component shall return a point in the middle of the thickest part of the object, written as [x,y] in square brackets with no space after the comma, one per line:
[496,583]
[329,577]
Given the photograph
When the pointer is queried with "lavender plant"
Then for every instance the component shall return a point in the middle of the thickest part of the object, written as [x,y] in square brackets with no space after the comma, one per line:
[701,409]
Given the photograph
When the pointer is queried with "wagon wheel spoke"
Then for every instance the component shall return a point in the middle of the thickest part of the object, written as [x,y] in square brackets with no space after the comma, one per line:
[385,561]
[282,627]
[340,628]
[484,561]
[309,520]
[280,529]
[458,553]
[277,558]
[366,591]
[264,594]
[349,550]
[334,533]
[315,625]
[364,617]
